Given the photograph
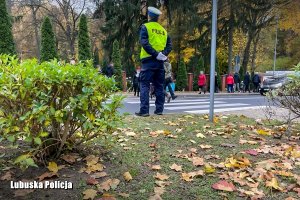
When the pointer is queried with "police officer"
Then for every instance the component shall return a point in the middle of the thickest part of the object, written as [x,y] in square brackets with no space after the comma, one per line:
[156,45]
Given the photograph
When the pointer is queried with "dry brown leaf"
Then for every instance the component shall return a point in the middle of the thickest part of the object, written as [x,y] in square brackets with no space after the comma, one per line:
[70,158]
[186,177]
[94,168]
[99,175]
[224,186]
[23,192]
[127,176]
[161,177]
[130,133]
[175,167]
[89,194]
[197,161]
[203,146]
[156,167]
[91,181]
[6,176]
[91,160]
[159,190]
[47,175]
[155,197]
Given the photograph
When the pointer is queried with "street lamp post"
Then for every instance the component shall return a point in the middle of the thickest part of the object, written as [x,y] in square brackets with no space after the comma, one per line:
[213,60]
[275,49]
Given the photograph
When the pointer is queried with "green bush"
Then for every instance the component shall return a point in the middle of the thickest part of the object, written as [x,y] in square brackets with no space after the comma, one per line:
[181,80]
[54,107]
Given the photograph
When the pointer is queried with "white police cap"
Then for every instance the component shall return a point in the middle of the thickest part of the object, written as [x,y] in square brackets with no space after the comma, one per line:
[154,11]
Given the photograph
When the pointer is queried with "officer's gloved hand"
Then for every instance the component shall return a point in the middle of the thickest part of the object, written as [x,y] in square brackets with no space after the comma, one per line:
[161,57]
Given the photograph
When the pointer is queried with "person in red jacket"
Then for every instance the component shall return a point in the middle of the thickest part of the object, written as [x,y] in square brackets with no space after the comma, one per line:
[230,83]
[202,82]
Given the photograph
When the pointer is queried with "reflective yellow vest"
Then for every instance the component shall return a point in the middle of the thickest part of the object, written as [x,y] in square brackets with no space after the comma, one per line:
[157,37]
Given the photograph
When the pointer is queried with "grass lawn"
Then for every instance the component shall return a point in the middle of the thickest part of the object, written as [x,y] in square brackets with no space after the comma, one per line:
[238,150]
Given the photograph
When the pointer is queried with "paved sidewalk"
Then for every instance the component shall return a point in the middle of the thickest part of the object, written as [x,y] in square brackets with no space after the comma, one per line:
[194,93]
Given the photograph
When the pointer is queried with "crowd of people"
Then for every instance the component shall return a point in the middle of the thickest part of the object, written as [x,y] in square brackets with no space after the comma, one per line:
[235,84]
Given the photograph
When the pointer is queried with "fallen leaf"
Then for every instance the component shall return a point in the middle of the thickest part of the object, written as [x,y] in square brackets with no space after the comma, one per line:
[263,132]
[193,141]
[208,169]
[273,184]
[6,176]
[91,160]
[94,168]
[187,177]
[200,135]
[203,146]
[224,186]
[91,181]
[127,176]
[155,197]
[109,184]
[99,175]
[197,161]
[251,152]
[175,167]
[132,134]
[70,158]
[22,193]
[161,177]
[156,167]
[52,166]
[159,190]
[89,194]
[47,175]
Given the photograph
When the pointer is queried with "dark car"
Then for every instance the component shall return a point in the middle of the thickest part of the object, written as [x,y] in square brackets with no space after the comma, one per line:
[272,83]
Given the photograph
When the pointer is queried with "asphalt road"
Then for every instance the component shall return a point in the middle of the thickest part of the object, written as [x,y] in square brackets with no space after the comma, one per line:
[200,104]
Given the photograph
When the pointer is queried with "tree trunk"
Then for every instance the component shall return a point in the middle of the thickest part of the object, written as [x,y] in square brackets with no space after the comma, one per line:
[230,39]
[247,52]
[255,42]
[36,30]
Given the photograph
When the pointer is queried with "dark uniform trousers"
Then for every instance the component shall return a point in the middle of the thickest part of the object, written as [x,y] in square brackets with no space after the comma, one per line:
[152,71]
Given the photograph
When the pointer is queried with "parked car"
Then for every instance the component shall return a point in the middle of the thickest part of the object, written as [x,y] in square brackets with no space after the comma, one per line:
[272,83]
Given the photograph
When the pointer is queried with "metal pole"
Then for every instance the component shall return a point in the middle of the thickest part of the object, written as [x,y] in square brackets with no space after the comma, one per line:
[213,60]
[275,49]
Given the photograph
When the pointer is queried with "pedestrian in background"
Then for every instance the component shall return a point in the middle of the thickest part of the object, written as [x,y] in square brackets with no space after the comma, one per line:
[110,70]
[216,83]
[230,82]
[202,82]
[256,82]
[136,81]
[237,82]
[247,82]
[168,81]
[156,46]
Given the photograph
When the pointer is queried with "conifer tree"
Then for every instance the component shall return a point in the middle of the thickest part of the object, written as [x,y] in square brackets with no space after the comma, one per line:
[181,80]
[116,59]
[199,67]
[84,45]
[7,45]
[48,49]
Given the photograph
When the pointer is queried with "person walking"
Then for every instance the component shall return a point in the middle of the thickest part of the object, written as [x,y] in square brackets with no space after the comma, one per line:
[168,81]
[136,81]
[230,82]
[237,82]
[110,70]
[202,82]
[216,83]
[256,81]
[247,82]
[156,46]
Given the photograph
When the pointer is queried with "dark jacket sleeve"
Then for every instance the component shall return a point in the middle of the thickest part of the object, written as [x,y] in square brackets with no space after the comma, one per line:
[145,42]
[168,47]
